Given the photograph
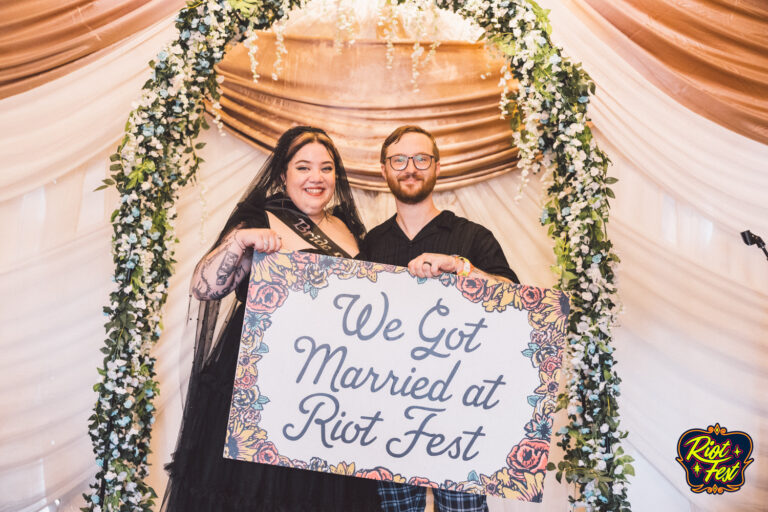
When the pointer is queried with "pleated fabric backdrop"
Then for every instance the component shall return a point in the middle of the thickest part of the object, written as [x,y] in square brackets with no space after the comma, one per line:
[691,349]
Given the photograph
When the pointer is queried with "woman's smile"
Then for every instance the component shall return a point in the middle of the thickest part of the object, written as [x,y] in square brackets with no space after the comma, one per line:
[310,179]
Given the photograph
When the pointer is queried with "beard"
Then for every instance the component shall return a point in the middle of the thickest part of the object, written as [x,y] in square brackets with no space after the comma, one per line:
[415,195]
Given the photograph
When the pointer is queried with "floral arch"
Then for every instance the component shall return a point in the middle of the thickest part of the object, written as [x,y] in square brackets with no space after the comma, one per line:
[157,157]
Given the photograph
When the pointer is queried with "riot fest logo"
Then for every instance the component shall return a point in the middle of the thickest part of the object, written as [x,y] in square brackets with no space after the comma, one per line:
[714,459]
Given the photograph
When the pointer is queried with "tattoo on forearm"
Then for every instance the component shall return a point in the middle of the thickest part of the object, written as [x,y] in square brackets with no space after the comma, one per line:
[228,274]
[239,274]
[216,295]
[228,265]
[201,287]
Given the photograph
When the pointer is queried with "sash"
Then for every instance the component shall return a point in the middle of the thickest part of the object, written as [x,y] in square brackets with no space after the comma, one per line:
[305,228]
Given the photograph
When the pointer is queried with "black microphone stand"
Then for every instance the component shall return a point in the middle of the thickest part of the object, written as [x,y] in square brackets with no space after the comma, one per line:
[752,239]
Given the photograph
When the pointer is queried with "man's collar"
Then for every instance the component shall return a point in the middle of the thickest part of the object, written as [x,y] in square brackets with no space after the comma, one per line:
[443,220]
[390,223]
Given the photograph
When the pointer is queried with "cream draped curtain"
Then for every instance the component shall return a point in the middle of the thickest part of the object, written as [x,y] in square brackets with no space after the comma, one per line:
[45,39]
[712,55]
[691,348]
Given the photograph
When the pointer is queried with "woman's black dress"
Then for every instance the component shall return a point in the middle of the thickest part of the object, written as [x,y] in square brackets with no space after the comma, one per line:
[201,479]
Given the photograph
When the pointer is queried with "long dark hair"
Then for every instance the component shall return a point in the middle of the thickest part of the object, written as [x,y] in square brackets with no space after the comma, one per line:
[269,182]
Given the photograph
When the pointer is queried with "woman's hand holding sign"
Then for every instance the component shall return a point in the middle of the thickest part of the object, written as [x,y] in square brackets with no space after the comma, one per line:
[219,272]
[259,239]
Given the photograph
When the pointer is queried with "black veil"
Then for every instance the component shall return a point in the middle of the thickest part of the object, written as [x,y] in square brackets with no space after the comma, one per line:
[200,478]
[266,190]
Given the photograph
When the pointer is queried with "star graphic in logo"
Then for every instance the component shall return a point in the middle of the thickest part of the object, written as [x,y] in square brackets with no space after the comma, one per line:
[737,451]
[696,469]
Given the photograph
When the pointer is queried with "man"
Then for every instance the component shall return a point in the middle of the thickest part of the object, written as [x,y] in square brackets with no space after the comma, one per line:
[429,242]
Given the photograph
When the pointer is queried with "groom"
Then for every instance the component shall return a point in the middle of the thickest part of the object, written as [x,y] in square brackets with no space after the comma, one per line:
[429,242]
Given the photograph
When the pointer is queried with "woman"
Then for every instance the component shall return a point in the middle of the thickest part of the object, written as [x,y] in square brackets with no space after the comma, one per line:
[296,184]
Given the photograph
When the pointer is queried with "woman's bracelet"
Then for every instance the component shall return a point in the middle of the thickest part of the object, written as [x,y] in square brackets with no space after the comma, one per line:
[466,266]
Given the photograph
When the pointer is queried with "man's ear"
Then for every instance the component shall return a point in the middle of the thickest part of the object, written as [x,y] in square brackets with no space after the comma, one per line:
[384,171]
[437,168]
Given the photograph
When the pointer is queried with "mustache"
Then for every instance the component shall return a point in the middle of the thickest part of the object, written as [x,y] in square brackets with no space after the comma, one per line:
[410,175]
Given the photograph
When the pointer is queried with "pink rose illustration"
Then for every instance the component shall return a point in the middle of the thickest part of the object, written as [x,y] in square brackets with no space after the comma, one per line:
[424,482]
[247,381]
[531,297]
[473,289]
[550,364]
[529,456]
[267,297]
[267,453]
[378,473]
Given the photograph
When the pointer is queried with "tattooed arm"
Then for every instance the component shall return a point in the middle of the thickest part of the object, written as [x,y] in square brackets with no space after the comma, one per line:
[222,269]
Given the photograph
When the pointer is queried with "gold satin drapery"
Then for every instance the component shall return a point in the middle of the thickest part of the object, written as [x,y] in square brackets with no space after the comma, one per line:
[43,39]
[353,96]
[709,55]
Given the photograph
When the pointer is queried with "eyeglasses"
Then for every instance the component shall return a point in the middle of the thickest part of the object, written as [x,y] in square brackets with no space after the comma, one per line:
[421,161]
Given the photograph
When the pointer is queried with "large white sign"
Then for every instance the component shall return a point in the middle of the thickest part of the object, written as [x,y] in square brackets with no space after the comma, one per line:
[360,369]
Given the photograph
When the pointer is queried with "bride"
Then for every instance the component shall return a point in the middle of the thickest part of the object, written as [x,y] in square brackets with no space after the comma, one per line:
[294,188]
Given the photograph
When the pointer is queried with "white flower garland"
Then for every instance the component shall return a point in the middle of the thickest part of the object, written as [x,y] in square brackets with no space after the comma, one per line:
[157,157]
[553,136]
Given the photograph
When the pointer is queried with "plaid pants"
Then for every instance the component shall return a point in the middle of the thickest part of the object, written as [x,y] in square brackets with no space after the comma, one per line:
[411,498]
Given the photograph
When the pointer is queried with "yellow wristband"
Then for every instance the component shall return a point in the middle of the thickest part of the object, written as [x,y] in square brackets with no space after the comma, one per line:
[466,268]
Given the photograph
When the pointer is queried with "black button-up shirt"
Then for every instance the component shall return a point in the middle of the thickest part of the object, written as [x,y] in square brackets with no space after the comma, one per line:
[445,234]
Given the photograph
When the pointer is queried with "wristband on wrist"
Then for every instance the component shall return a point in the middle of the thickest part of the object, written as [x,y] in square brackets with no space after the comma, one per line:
[466,266]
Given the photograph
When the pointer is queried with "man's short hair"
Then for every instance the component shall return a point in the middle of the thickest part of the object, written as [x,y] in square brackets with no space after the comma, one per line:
[396,135]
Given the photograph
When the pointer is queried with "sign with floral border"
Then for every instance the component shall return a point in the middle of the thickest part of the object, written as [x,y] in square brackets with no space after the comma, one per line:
[357,368]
